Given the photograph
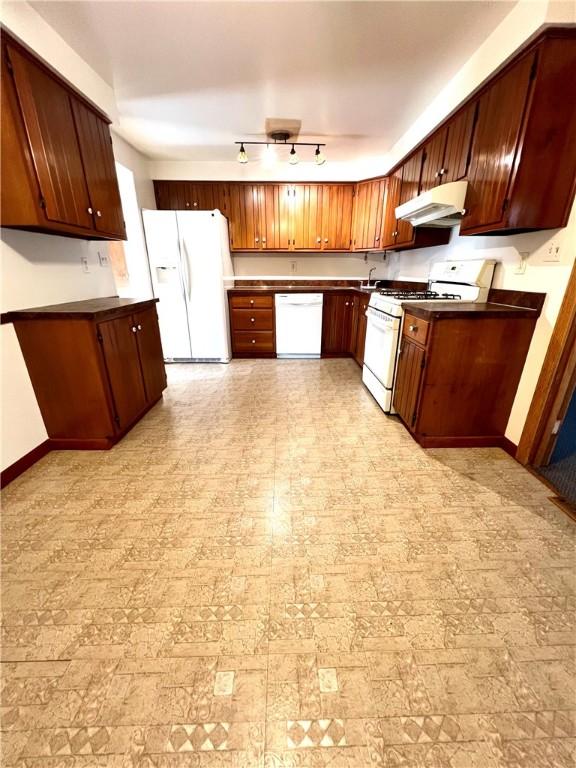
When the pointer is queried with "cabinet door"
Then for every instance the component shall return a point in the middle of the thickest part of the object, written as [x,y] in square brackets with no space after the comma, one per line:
[354,317]
[408,381]
[361,331]
[457,153]
[495,145]
[359,215]
[150,350]
[221,197]
[433,161]
[246,217]
[336,319]
[51,133]
[409,188]
[307,217]
[120,348]
[276,215]
[100,170]
[337,216]
[389,229]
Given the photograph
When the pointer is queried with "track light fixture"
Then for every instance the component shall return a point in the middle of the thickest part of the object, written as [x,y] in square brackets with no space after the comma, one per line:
[280,138]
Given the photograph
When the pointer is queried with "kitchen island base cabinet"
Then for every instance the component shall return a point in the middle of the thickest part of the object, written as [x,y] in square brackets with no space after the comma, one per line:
[457,378]
[96,367]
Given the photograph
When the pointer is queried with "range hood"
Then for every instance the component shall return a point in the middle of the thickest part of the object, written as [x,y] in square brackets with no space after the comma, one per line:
[441,206]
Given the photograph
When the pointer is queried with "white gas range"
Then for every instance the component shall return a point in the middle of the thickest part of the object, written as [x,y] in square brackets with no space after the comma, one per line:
[447,281]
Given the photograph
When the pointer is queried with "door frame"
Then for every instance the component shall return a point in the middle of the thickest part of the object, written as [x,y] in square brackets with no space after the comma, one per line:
[555,384]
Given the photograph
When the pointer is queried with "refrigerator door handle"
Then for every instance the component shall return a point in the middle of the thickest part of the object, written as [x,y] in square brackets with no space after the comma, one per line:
[186,269]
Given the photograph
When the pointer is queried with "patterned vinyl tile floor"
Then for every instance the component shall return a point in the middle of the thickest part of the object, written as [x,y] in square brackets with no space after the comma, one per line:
[268,572]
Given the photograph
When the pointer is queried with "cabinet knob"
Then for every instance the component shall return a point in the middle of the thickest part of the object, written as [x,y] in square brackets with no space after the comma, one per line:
[251,301]
[325,239]
[442,171]
[263,239]
[252,320]
[253,341]
[139,327]
[187,205]
[413,328]
[98,214]
[318,239]
[377,239]
[347,303]
[134,329]
[90,210]
[195,205]
[394,234]
[256,239]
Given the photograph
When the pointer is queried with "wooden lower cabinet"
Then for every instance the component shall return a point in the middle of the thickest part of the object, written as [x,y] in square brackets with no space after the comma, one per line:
[337,314]
[96,367]
[252,327]
[361,326]
[458,373]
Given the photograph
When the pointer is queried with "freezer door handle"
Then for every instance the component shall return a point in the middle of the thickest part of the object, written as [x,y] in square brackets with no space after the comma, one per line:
[186,269]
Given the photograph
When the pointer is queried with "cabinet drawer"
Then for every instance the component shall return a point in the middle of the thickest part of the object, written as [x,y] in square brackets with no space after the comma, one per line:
[249,302]
[252,319]
[415,328]
[253,341]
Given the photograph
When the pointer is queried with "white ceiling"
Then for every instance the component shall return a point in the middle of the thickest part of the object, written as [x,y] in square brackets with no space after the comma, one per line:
[193,77]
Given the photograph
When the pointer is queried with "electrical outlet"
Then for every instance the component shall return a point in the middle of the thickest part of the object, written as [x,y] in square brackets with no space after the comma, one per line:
[293,267]
[552,252]
[103,259]
[521,265]
[84,264]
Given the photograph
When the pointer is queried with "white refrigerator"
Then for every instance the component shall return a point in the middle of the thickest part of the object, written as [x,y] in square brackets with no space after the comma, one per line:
[191,269]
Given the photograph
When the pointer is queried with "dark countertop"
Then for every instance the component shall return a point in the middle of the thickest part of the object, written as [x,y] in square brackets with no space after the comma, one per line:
[300,289]
[90,309]
[440,310]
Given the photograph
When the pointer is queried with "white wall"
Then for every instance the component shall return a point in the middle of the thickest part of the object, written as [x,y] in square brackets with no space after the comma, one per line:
[37,270]
[541,275]
[348,265]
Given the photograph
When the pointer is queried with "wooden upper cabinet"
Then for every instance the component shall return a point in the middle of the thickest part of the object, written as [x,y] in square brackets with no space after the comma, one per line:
[389,225]
[433,160]
[49,124]
[57,151]
[359,215]
[246,216]
[458,144]
[100,171]
[368,214]
[501,111]
[337,202]
[409,188]
[276,199]
[307,217]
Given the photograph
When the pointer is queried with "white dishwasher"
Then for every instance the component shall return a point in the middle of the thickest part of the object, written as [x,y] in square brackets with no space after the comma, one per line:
[298,324]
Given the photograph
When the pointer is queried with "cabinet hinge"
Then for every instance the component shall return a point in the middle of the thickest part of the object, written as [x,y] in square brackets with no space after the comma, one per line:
[533,68]
[423,363]
[42,202]
[99,337]
[117,419]
[9,64]
[505,204]
[413,418]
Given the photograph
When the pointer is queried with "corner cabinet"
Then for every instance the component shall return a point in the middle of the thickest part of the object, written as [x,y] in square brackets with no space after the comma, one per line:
[96,367]
[57,150]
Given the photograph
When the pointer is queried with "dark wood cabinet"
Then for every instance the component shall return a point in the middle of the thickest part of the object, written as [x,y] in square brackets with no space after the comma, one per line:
[192,195]
[252,324]
[361,329]
[57,149]
[337,311]
[369,201]
[409,188]
[459,369]
[501,111]
[460,130]
[337,201]
[96,367]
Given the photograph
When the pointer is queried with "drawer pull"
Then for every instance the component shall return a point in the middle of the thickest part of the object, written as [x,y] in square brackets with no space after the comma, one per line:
[252,320]
[251,301]
[413,328]
[253,341]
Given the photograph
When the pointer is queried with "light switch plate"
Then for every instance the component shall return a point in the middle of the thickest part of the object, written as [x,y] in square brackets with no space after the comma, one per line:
[84,264]
[103,259]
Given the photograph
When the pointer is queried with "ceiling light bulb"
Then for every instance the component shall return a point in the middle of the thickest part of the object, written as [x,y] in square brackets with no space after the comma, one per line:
[320,159]
[293,157]
[242,155]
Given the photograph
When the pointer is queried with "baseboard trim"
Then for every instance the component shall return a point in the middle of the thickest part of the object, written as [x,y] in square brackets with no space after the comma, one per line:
[510,447]
[477,441]
[24,463]
[81,444]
